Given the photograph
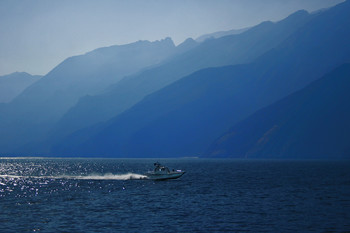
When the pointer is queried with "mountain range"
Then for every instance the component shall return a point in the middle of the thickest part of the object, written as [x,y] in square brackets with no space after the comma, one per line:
[220,34]
[228,50]
[12,85]
[311,123]
[31,114]
[155,99]
[183,118]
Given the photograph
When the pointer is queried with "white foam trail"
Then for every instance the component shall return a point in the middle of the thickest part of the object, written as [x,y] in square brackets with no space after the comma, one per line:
[11,176]
[127,176]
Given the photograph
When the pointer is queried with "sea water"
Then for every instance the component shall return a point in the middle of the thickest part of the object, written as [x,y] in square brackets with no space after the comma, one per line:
[111,195]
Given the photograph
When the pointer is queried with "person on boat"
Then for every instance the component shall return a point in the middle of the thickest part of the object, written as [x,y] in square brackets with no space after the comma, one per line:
[157,166]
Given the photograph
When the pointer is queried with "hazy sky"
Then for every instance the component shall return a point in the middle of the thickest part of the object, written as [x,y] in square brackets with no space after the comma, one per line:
[36,35]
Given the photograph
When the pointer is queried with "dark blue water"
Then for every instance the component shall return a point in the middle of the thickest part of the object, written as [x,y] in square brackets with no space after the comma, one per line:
[95,195]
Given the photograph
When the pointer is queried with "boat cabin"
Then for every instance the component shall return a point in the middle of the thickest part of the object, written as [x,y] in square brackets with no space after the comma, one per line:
[160,169]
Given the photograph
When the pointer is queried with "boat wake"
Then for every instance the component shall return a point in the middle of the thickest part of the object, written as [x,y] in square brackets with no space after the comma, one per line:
[108,176]
[127,176]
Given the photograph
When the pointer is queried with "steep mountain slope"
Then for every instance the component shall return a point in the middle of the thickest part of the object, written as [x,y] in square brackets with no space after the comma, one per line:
[235,49]
[311,123]
[185,117]
[33,112]
[13,84]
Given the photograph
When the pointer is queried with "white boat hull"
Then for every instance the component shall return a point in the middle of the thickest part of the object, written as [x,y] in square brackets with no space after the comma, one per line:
[171,175]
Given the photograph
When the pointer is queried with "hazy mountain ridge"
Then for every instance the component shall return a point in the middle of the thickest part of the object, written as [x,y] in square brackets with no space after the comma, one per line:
[219,34]
[208,101]
[311,123]
[155,99]
[12,85]
[227,50]
[34,111]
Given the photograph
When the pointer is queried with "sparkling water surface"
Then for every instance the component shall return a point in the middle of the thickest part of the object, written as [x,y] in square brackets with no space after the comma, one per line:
[111,195]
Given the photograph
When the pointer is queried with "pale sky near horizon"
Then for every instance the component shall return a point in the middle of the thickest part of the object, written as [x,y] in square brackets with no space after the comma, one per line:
[36,35]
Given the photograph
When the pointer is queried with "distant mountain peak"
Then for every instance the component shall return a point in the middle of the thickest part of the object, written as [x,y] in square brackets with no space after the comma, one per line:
[294,18]
[167,41]
[19,73]
[188,42]
[13,84]
[187,45]
[219,34]
[298,14]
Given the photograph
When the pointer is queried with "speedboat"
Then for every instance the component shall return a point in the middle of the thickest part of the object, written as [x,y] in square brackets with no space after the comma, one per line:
[161,172]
